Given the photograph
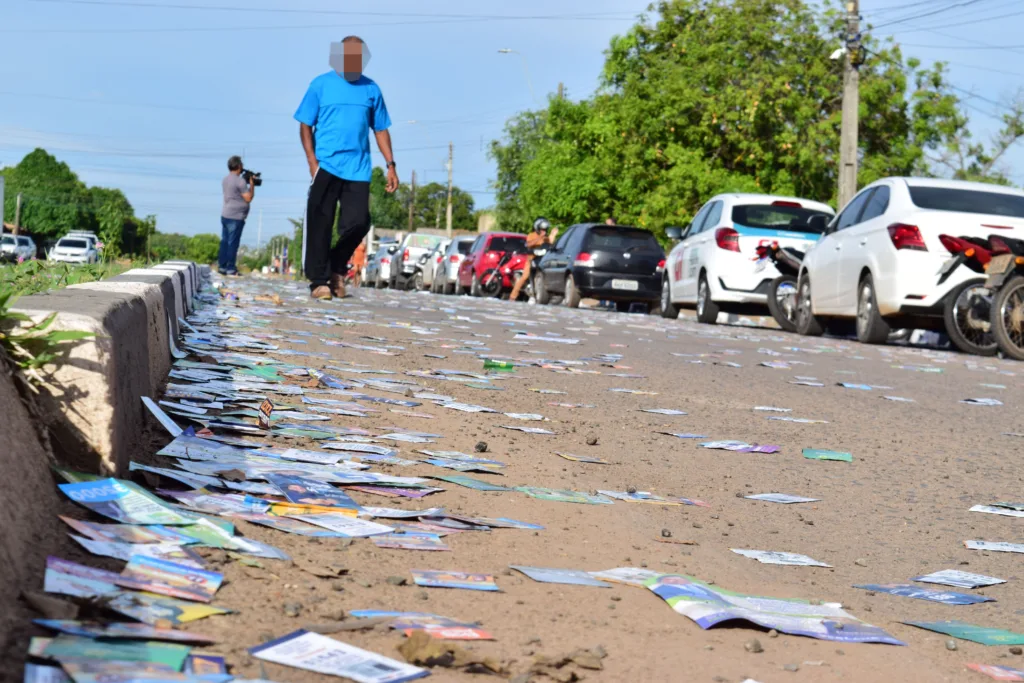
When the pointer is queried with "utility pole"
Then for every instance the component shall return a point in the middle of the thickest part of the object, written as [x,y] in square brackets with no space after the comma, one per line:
[851,106]
[17,215]
[448,222]
[259,231]
[412,199]
[561,90]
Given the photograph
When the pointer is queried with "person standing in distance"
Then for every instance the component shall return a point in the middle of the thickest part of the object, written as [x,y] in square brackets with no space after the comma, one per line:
[238,195]
[335,117]
[537,243]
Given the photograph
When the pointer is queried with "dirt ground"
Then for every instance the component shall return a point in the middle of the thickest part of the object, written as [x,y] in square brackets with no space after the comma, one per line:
[899,510]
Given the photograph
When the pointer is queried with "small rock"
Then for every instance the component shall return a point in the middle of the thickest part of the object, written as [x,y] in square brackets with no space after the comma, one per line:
[1016,650]
[422,595]
[616,598]
[860,562]
[665,533]
[773,634]
[698,525]
[790,667]
[709,648]
[720,679]
[337,587]
[950,644]
[293,609]
[630,489]
[335,614]
[534,641]
[840,652]
[753,645]
[397,580]
[591,439]
[480,447]
[364,583]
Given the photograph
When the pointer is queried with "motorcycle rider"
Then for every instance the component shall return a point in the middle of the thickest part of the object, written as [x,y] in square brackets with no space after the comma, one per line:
[537,243]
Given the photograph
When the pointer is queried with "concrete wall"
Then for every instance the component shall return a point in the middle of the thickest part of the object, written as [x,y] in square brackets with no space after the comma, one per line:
[89,413]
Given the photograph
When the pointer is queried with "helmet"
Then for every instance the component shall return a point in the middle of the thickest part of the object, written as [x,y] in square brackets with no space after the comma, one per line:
[541,224]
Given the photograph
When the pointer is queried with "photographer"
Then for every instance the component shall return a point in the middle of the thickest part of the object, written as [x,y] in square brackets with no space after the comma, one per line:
[238,194]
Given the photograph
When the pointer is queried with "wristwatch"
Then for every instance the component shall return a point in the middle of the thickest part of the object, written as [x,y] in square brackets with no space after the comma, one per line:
[391,164]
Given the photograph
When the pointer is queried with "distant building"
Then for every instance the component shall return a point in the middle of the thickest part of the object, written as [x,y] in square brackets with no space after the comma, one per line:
[486,221]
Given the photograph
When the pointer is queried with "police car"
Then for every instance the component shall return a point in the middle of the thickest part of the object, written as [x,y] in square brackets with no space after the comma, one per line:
[715,266]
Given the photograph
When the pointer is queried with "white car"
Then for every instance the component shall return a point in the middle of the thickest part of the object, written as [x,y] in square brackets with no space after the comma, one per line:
[17,247]
[715,266]
[74,250]
[432,262]
[447,271]
[378,267]
[880,259]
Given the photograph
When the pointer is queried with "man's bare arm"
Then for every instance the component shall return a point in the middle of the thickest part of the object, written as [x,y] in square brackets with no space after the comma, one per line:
[247,196]
[309,146]
[384,144]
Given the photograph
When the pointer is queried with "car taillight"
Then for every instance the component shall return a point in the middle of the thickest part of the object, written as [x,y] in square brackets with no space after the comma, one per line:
[405,255]
[385,260]
[998,245]
[453,259]
[905,236]
[584,259]
[728,239]
[661,265]
[440,258]
[952,244]
[795,205]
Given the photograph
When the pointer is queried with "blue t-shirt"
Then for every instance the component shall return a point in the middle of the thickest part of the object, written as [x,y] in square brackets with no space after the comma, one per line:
[342,114]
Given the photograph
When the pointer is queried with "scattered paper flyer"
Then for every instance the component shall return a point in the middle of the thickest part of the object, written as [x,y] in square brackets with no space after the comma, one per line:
[971,632]
[997,510]
[163,418]
[899,399]
[472,483]
[351,527]
[680,435]
[982,401]
[907,590]
[528,430]
[315,652]
[410,541]
[959,579]
[799,420]
[565,495]
[582,458]
[632,576]
[303,491]
[123,502]
[663,411]
[999,673]
[781,498]
[174,580]
[439,579]
[576,577]
[130,631]
[823,454]
[995,546]
[776,557]
[772,409]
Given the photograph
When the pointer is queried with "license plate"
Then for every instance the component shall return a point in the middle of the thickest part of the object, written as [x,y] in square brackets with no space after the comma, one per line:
[631,285]
[999,264]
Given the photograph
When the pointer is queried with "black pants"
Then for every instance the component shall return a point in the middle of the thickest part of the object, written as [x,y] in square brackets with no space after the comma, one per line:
[319,260]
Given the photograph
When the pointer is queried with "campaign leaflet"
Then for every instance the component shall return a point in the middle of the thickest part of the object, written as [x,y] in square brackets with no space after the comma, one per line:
[971,632]
[343,524]
[410,541]
[65,647]
[472,483]
[959,579]
[823,454]
[444,628]
[711,605]
[302,491]
[910,591]
[127,533]
[315,652]
[564,495]
[168,578]
[37,673]
[160,611]
[124,551]
[631,576]
[783,498]
[207,666]
[128,630]
[582,458]
[778,557]
[291,526]
[995,546]
[123,503]
[999,673]
[112,671]
[576,577]
[70,578]
[440,579]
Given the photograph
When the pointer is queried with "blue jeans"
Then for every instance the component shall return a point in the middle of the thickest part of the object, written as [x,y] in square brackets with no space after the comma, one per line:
[230,236]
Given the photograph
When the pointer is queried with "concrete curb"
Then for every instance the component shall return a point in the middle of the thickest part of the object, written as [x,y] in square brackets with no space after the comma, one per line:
[92,398]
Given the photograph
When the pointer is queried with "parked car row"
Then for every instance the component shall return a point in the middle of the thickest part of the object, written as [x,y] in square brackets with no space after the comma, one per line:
[74,247]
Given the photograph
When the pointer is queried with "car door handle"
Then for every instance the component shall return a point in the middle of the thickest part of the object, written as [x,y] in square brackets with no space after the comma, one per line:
[838,247]
[863,242]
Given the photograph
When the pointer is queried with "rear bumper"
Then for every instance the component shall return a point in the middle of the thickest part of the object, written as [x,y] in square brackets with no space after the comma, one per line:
[598,284]
[756,295]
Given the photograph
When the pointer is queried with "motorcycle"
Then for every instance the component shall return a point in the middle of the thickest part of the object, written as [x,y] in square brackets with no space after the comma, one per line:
[415,281]
[1006,283]
[968,307]
[782,291]
[502,277]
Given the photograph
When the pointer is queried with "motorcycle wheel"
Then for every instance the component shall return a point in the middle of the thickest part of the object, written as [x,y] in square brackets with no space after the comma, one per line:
[490,283]
[1008,318]
[782,301]
[968,318]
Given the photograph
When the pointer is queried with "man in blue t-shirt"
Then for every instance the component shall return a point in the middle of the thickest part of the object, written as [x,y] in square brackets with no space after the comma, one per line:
[335,118]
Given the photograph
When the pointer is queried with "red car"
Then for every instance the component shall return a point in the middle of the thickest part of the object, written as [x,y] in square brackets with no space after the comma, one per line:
[503,250]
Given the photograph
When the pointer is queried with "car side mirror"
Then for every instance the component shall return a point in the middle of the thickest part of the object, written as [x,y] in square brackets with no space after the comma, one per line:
[819,224]
[674,233]
[392,250]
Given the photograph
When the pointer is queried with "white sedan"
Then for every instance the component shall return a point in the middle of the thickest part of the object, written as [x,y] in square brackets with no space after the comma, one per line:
[74,250]
[715,265]
[880,259]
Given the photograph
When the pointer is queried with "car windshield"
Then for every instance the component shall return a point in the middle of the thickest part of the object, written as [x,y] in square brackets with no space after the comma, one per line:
[422,241]
[7,239]
[464,246]
[513,244]
[776,217]
[72,244]
[616,238]
[967,201]
[24,241]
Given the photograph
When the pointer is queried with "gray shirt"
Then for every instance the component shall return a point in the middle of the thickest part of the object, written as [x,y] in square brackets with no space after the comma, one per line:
[235,208]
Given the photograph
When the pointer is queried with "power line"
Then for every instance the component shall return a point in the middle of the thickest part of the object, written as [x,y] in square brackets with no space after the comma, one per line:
[898,8]
[961,23]
[963,3]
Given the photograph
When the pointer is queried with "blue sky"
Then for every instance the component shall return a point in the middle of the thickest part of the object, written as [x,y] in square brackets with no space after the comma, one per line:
[154,99]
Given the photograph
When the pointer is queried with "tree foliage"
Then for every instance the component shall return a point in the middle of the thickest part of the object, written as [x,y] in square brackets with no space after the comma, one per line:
[54,200]
[707,96]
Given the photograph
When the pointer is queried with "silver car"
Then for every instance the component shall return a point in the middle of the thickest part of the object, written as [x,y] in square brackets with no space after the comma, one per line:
[74,250]
[405,264]
[17,248]
[378,267]
[447,273]
[432,263]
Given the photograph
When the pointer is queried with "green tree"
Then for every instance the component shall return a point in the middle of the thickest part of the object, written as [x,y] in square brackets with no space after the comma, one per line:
[295,250]
[706,96]
[387,210]
[203,248]
[168,246]
[432,206]
[54,200]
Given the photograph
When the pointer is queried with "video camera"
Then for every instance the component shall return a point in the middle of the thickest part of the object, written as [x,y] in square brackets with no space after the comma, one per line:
[256,180]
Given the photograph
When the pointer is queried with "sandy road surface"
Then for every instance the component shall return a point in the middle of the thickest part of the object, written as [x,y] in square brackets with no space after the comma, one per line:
[899,510]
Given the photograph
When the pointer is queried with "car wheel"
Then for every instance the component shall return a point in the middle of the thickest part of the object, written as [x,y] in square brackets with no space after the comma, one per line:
[1008,318]
[474,287]
[572,295]
[415,283]
[968,318]
[807,323]
[871,327]
[623,306]
[668,309]
[707,310]
[782,302]
[540,288]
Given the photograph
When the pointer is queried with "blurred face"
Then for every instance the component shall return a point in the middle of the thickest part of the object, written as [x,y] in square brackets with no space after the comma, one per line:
[349,58]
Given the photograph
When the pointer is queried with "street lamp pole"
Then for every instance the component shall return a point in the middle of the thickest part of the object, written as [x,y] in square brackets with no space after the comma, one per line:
[526,68]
